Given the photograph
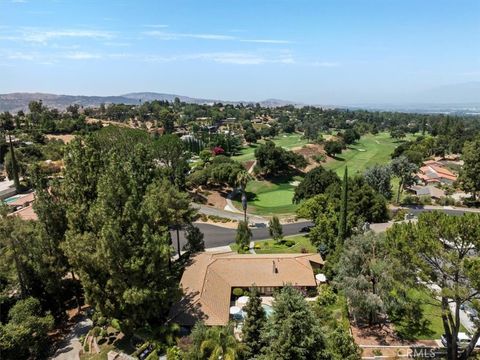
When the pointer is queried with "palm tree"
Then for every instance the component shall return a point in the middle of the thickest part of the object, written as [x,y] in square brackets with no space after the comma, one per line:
[243,177]
[220,344]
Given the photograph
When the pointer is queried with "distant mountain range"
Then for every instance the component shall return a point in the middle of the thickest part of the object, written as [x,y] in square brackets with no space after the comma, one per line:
[462,98]
[14,102]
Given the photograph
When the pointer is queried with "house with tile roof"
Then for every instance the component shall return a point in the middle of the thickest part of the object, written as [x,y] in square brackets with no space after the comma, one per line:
[433,173]
[207,283]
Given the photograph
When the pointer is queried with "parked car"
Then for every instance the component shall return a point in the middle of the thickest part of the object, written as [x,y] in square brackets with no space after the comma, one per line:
[306,229]
[463,340]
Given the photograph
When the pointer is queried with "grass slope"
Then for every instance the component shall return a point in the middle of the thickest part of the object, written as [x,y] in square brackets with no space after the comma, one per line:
[268,198]
[368,151]
[288,141]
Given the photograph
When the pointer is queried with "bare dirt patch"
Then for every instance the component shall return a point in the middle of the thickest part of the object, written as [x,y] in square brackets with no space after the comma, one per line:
[248,164]
[383,338]
[309,152]
[65,138]
[229,225]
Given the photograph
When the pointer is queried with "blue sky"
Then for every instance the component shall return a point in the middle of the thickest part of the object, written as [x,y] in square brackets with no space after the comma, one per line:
[317,51]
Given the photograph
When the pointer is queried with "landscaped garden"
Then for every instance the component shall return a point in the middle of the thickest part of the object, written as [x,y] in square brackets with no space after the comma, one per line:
[292,244]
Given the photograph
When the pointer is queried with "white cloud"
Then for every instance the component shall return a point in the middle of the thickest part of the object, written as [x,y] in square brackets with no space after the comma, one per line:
[266,41]
[81,55]
[173,36]
[38,35]
[242,58]
[43,36]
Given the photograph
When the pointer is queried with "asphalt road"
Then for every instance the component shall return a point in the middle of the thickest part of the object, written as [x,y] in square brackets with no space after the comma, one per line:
[215,236]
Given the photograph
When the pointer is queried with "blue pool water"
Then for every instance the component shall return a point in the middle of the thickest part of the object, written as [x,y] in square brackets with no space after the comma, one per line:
[268,310]
[241,315]
[10,199]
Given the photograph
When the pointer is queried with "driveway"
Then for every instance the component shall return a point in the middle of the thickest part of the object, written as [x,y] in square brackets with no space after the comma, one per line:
[69,348]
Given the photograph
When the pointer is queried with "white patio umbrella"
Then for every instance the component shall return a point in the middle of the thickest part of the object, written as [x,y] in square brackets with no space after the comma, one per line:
[321,278]
[234,310]
[243,300]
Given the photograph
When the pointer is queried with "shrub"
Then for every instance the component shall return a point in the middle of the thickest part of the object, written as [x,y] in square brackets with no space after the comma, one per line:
[289,243]
[400,215]
[303,250]
[318,158]
[411,200]
[326,296]
[116,324]
[101,321]
[257,246]
[96,331]
[237,292]
[446,201]
[174,353]
[377,352]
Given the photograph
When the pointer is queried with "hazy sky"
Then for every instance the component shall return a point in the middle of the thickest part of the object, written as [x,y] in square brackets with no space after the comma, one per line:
[317,51]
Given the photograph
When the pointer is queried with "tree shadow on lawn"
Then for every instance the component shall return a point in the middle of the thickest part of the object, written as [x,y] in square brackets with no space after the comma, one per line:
[338,158]
[412,324]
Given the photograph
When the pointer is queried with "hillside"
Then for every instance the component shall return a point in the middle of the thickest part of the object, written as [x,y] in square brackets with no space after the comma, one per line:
[14,102]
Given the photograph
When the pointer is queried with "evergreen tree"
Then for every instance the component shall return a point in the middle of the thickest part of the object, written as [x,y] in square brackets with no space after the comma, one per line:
[342,227]
[253,325]
[117,238]
[243,237]
[16,179]
[469,178]
[292,332]
[275,229]
[195,241]
[25,335]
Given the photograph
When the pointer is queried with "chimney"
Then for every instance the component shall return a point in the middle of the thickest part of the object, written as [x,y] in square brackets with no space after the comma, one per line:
[275,270]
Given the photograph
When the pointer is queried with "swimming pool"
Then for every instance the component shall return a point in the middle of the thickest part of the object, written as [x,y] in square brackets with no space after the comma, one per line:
[11,199]
[241,315]
[268,310]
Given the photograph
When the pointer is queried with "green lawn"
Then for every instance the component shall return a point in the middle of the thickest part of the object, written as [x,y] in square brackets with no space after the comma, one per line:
[270,247]
[368,151]
[287,141]
[426,326]
[268,198]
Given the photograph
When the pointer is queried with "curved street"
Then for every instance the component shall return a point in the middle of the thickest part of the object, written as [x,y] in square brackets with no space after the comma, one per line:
[216,236]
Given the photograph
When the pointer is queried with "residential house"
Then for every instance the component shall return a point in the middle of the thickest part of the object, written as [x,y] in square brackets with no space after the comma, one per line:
[434,173]
[208,282]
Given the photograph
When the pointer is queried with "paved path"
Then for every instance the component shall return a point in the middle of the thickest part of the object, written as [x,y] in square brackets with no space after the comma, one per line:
[69,348]
[464,319]
[450,210]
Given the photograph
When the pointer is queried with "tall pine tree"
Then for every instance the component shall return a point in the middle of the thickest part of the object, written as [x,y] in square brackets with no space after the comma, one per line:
[253,325]
[342,228]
